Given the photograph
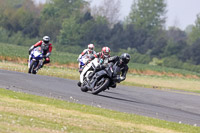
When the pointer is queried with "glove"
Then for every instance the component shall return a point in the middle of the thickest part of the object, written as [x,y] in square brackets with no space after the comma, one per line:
[119,79]
[101,61]
[88,61]
[122,78]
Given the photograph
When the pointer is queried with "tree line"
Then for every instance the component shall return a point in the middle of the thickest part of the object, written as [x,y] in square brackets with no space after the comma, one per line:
[72,24]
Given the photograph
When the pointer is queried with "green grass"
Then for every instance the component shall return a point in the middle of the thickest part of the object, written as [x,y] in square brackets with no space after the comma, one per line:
[21,112]
[14,51]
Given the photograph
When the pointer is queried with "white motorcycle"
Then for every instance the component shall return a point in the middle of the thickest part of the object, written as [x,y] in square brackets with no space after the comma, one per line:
[88,69]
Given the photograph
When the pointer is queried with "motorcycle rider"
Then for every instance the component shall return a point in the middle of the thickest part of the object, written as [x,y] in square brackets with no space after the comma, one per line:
[104,54]
[46,47]
[87,53]
[121,61]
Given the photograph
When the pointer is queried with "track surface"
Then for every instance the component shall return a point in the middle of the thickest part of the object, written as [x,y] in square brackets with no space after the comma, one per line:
[178,107]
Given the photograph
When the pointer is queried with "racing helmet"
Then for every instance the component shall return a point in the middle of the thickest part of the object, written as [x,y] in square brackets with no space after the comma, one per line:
[46,39]
[45,44]
[105,51]
[90,48]
[125,57]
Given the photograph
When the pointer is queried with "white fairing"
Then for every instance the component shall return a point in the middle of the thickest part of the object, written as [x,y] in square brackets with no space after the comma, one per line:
[83,59]
[85,72]
[36,53]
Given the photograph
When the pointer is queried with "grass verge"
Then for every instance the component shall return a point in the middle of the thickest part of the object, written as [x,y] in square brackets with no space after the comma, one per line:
[149,81]
[24,113]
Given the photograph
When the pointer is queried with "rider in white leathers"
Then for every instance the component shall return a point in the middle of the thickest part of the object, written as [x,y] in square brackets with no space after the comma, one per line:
[87,53]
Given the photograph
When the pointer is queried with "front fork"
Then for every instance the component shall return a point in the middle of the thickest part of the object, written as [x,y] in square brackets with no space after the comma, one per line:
[29,61]
[40,64]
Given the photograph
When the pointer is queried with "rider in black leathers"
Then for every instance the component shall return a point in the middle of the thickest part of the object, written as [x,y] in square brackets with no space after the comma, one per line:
[121,61]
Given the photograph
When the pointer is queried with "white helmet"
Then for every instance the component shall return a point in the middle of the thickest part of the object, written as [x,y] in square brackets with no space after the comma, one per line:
[91,47]
[46,39]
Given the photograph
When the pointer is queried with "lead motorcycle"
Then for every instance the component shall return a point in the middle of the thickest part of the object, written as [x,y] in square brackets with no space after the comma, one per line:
[36,60]
[101,80]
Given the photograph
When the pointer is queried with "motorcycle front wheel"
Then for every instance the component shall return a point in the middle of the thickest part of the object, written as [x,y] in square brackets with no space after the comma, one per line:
[33,65]
[83,86]
[100,86]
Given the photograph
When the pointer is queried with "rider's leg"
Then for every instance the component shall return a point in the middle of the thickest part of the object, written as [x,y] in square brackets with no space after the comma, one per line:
[47,60]
[80,69]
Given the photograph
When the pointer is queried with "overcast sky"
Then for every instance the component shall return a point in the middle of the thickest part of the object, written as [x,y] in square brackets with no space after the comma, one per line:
[180,13]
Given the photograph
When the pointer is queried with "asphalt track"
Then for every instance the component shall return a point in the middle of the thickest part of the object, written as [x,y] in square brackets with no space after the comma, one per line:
[180,107]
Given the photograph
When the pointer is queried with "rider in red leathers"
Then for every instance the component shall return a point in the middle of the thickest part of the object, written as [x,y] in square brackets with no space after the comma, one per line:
[105,53]
[46,47]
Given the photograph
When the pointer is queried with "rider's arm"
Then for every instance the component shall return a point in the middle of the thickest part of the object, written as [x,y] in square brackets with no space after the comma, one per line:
[113,59]
[124,72]
[83,53]
[79,57]
[49,51]
[94,56]
[50,48]
[38,44]
[48,54]
[34,46]
[30,49]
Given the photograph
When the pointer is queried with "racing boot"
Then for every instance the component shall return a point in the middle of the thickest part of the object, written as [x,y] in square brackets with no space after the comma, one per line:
[113,85]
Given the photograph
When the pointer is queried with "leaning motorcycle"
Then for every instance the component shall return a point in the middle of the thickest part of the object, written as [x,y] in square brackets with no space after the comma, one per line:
[88,69]
[101,80]
[36,60]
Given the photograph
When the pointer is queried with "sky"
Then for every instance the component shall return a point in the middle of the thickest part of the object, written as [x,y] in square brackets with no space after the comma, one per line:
[180,13]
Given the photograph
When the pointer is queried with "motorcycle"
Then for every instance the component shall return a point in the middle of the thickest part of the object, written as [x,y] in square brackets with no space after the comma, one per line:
[36,60]
[88,69]
[82,62]
[101,80]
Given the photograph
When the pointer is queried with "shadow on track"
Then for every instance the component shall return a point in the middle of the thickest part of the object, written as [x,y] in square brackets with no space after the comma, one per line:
[116,98]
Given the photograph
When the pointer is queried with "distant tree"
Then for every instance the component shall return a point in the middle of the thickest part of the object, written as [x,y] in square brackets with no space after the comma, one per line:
[118,38]
[148,18]
[109,9]
[177,42]
[192,53]
[21,15]
[176,34]
[70,32]
[55,12]
[100,32]
[188,29]
[195,34]
[148,14]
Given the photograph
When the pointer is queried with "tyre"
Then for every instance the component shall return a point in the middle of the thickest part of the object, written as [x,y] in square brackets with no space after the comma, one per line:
[83,86]
[100,86]
[33,65]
